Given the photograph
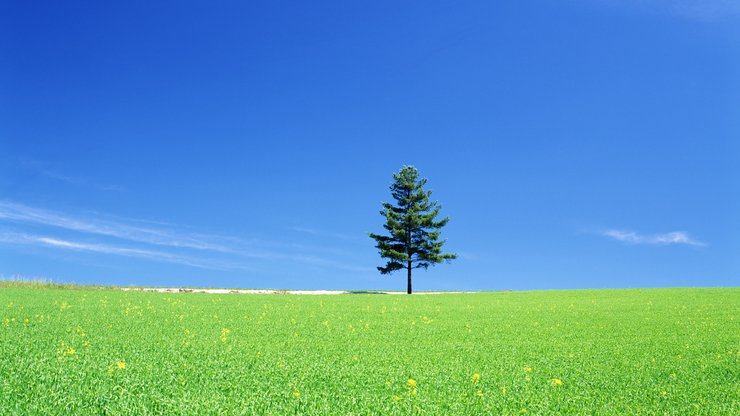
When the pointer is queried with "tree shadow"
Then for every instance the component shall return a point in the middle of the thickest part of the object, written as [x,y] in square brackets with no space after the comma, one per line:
[365,292]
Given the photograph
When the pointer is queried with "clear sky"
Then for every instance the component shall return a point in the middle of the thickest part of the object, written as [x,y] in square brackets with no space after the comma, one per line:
[573,144]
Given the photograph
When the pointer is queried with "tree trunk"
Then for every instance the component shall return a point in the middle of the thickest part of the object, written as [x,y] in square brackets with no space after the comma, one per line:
[408,290]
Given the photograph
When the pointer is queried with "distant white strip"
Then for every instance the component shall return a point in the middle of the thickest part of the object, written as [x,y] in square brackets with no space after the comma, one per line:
[674,237]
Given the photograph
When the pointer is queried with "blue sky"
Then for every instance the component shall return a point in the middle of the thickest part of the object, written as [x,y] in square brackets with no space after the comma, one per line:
[574,144]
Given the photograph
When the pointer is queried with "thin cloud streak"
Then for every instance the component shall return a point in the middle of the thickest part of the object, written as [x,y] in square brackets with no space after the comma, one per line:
[16,238]
[47,241]
[631,237]
[41,169]
[78,182]
[22,213]
[19,213]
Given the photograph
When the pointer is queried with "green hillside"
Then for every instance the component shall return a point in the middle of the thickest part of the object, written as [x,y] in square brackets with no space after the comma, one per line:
[608,352]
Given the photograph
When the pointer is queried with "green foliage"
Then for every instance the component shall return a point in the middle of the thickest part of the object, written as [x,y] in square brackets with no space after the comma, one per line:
[414,230]
[614,352]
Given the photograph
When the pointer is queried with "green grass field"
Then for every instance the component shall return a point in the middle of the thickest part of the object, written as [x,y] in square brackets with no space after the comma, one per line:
[608,352]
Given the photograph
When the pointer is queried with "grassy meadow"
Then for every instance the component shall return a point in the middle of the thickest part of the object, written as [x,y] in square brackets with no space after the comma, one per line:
[67,350]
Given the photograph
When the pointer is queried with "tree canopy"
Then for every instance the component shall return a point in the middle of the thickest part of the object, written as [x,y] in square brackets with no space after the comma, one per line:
[414,240]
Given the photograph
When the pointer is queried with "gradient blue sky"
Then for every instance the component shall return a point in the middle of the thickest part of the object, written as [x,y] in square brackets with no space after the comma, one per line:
[574,144]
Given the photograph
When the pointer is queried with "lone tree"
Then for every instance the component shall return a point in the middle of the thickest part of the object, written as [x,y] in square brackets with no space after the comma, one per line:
[414,233]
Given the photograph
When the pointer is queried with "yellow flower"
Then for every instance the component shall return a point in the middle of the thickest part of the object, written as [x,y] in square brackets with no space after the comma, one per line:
[556,382]
[527,369]
[121,365]
[411,384]
[396,398]
[479,393]
[476,378]
[296,394]
[70,351]
[224,334]
[503,390]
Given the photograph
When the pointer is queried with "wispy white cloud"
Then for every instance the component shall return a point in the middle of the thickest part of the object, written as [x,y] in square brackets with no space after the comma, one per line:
[172,243]
[632,237]
[42,169]
[158,236]
[29,239]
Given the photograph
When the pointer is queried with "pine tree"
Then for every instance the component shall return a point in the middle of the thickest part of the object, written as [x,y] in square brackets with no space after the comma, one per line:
[414,231]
